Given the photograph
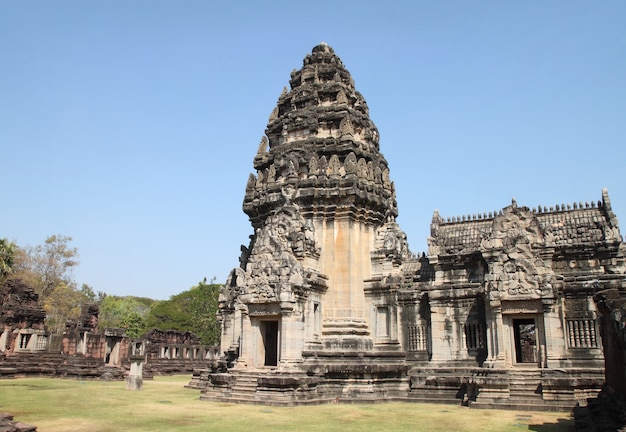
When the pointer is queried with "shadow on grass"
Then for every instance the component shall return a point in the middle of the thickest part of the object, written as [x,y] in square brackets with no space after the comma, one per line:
[562,425]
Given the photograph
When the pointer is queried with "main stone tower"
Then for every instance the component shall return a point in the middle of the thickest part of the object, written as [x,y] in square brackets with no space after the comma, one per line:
[309,307]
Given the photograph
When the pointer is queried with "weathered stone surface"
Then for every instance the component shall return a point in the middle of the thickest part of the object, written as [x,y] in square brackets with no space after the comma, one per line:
[607,412]
[19,305]
[7,424]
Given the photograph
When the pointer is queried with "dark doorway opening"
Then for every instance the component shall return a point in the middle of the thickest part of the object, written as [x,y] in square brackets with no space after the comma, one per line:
[525,331]
[269,332]
[112,350]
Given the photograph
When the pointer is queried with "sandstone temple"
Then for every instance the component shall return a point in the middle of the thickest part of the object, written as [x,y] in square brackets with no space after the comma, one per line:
[329,304]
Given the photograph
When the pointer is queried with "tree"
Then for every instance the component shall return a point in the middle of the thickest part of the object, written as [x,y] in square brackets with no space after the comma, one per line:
[61,305]
[90,295]
[7,256]
[44,267]
[204,307]
[129,313]
[193,310]
[172,314]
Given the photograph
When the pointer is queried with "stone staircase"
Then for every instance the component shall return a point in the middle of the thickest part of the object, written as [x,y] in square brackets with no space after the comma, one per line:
[245,387]
[523,389]
[440,396]
[437,385]
[525,394]
[258,387]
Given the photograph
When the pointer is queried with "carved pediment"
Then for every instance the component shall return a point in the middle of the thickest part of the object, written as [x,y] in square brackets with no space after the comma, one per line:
[515,228]
[273,271]
[516,270]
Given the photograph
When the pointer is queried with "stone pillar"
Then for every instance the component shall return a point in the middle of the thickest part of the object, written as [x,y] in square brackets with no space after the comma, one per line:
[441,332]
[134,381]
[346,259]
[246,345]
[228,337]
[555,346]
[495,335]
[292,336]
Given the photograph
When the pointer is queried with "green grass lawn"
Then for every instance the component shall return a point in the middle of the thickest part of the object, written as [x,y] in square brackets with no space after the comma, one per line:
[165,405]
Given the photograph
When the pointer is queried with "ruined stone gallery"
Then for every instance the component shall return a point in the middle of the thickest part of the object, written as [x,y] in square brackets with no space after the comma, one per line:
[329,304]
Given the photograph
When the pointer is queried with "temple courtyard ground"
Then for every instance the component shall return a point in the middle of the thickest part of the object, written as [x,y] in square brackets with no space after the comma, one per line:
[165,404]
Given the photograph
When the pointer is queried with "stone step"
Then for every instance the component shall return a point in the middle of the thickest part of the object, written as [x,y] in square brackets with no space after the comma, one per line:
[430,396]
[533,403]
[514,405]
[529,390]
[527,386]
[525,395]
[443,401]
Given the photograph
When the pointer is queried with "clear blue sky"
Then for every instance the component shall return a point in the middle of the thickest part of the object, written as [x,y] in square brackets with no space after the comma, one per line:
[131,126]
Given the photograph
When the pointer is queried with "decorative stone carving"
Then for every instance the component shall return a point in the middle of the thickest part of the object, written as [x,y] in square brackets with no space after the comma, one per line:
[262,146]
[612,234]
[515,269]
[341,97]
[370,172]
[293,166]
[272,270]
[259,180]
[345,127]
[350,164]
[271,174]
[334,166]
[313,167]
[378,175]
[251,183]
[386,179]
[323,166]
[234,286]
[374,137]
[394,240]
[273,114]
[362,169]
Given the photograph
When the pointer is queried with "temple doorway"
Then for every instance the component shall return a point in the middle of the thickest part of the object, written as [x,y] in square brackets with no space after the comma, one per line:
[269,336]
[525,334]
[112,351]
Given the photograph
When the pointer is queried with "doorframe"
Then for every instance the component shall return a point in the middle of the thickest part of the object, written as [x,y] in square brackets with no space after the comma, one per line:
[540,340]
[517,339]
[259,349]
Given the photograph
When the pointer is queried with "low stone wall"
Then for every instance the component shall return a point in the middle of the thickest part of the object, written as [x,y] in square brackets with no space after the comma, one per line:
[58,365]
[172,366]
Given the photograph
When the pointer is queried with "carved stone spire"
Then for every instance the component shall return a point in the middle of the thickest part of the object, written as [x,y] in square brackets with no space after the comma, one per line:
[322,116]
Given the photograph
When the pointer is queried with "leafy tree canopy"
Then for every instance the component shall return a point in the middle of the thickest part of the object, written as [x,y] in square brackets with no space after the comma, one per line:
[193,310]
[61,305]
[129,313]
[7,256]
[44,267]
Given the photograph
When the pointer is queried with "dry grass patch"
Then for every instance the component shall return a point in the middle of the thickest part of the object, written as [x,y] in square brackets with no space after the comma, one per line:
[164,404]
